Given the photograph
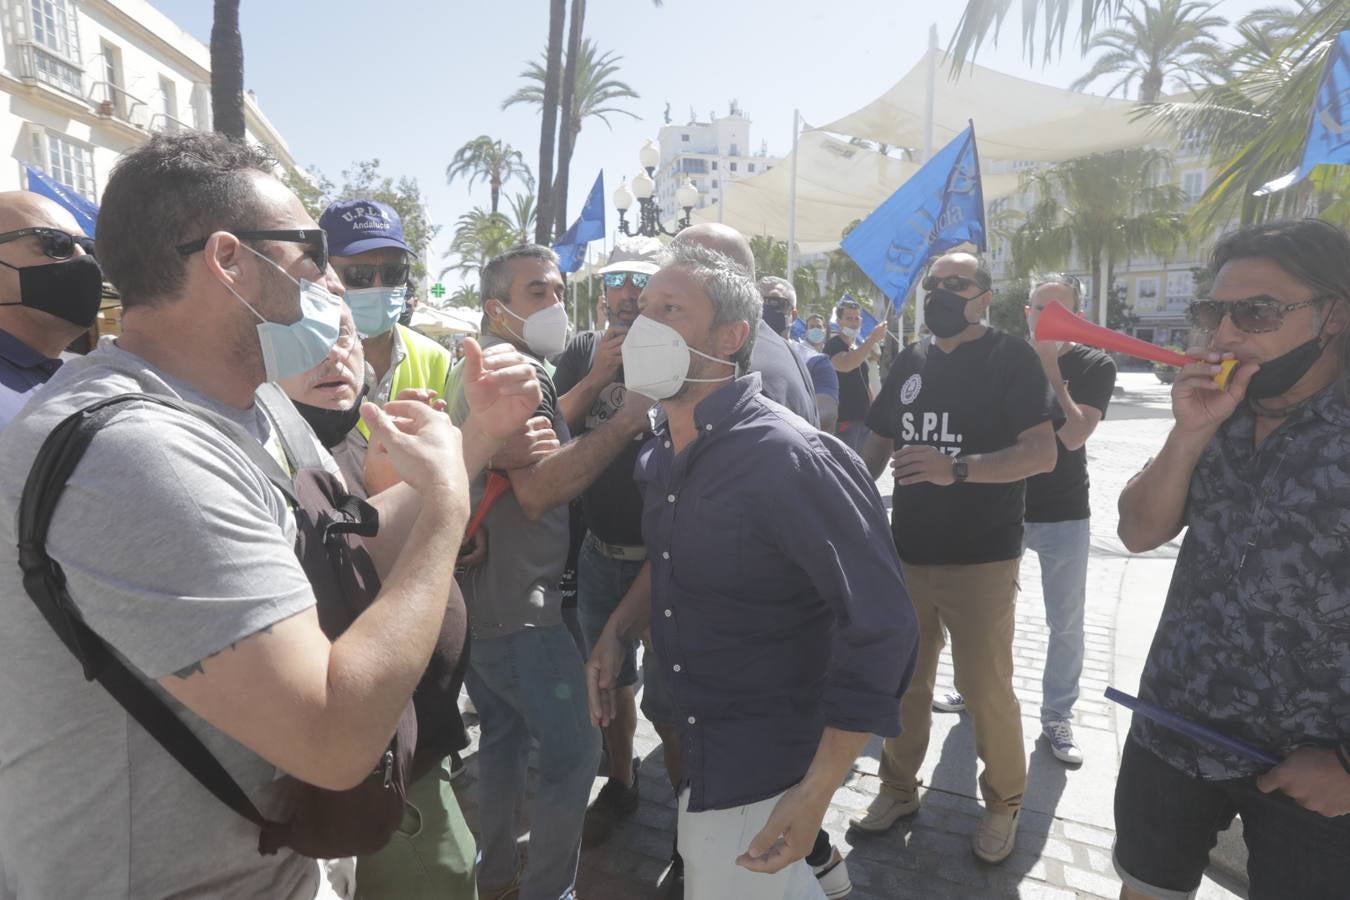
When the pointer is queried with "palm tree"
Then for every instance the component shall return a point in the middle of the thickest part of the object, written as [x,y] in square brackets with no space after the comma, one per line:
[842,274]
[227,71]
[1150,44]
[523,214]
[479,236]
[983,19]
[1100,209]
[496,162]
[1255,121]
[595,89]
[465,295]
[770,255]
[548,124]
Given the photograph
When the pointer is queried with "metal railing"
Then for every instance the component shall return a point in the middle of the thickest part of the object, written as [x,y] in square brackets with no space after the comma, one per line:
[163,123]
[113,101]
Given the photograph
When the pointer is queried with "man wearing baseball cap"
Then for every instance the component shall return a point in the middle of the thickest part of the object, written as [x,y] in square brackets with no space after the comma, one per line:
[368,250]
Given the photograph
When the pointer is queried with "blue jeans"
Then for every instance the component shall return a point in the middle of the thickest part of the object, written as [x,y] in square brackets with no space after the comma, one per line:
[531,685]
[1062,548]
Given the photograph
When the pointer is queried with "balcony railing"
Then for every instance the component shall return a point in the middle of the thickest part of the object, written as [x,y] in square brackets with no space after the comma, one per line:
[163,123]
[40,64]
[114,102]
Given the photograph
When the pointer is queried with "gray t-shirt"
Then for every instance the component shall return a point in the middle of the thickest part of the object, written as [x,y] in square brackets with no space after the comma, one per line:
[175,546]
[517,585]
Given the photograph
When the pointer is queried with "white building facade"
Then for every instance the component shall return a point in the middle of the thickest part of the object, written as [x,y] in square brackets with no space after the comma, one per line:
[708,154]
[85,80]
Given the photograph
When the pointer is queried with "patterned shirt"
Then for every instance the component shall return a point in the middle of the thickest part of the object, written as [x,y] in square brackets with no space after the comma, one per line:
[1254,639]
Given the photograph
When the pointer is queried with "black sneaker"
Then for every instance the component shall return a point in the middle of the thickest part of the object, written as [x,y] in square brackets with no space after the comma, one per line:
[615,801]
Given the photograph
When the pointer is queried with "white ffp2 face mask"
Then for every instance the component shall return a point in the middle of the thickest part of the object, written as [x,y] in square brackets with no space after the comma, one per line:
[656,360]
[545,331]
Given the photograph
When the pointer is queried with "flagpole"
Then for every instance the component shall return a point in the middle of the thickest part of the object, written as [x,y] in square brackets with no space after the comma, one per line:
[792,198]
[929,102]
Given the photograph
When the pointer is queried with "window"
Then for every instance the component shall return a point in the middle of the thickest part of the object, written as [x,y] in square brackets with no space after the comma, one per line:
[733,167]
[168,92]
[751,167]
[1180,288]
[110,91]
[69,162]
[684,138]
[53,54]
[1146,293]
[735,150]
[1193,184]
[714,165]
[1144,334]
[714,184]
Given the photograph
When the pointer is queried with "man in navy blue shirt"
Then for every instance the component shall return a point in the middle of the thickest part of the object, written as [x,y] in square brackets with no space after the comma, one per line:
[773,593]
[50,290]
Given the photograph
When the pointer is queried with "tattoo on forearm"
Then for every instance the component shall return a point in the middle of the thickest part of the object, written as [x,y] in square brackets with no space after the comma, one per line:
[188,671]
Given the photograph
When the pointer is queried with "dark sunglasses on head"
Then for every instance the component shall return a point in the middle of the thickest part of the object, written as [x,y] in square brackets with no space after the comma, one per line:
[617,279]
[362,275]
[956,283]
[1255,315]
[55,243]
[315,241]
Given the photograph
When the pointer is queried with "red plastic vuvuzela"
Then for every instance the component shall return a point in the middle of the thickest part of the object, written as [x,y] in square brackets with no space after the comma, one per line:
[1056,323]
[497,484]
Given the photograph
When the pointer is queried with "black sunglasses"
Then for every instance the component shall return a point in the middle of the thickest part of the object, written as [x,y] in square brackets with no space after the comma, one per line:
[55,243]
[1255,315]
[616,279]
[315,240]
[362,275]
[957,283]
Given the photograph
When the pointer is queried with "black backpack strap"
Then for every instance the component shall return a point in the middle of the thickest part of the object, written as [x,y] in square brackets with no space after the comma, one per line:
[297,440]
[46,585]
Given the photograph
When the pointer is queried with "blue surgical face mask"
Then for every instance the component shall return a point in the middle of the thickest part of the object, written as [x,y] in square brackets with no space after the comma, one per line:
[289,350]
[376,309]
[815,335]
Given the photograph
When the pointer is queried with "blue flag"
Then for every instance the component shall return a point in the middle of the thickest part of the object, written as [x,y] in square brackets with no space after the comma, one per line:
[869,324]
[940,207]
[571,245]
[1328,141]
[798,330]
[84,210]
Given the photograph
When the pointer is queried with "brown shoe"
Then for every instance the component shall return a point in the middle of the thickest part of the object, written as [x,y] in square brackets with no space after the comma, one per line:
[995,838]
[885,810]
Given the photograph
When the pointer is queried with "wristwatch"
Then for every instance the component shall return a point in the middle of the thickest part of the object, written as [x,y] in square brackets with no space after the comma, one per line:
[960,470]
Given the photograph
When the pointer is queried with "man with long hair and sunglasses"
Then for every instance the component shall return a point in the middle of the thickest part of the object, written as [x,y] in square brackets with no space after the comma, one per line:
[50,291]
[1254,639]
[963,422]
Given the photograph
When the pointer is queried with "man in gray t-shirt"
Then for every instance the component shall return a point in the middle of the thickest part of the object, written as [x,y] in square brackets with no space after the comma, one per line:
[178,551]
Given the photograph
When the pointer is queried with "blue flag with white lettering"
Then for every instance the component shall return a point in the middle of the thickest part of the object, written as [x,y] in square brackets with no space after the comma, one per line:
[1328,141]
[84,210]
[571,245]
[940,207]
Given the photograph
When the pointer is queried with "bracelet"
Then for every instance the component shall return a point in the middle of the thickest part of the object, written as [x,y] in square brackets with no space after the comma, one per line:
[1344,756]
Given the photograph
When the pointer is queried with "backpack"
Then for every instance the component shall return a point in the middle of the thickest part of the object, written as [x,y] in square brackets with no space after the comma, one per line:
[330,530]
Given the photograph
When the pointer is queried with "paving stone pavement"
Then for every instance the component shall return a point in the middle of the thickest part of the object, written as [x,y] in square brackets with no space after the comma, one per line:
[1065,833]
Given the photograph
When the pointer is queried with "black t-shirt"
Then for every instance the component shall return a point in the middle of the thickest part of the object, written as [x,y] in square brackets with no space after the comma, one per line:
[612,505]
[1062,495]
[854,395]
[976,399]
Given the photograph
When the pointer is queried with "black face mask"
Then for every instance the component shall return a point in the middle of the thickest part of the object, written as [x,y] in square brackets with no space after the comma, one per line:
[776,319]
[332,426]
[71,289]
[1283,372]
[944,312]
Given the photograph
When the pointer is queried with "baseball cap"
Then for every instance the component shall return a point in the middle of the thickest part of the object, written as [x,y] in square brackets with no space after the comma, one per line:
[355,226]
[634,255]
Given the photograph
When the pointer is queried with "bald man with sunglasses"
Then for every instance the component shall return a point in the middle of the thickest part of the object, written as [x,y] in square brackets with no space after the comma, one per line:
[50,290]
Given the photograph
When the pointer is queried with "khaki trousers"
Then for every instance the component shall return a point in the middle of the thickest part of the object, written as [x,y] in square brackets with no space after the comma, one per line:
[975,603]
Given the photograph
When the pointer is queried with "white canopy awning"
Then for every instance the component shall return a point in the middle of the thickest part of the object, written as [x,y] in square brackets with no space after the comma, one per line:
[1014,118]
[435,322]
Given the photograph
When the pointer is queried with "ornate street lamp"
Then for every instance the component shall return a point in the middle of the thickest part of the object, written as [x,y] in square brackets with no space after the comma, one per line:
[649,210]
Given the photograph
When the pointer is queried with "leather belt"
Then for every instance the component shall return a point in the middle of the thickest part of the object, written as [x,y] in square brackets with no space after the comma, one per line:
[625,552]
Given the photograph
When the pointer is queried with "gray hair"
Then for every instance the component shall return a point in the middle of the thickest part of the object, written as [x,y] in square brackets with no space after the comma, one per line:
[728,285]
[1071,282]
[768,282]
[496,276]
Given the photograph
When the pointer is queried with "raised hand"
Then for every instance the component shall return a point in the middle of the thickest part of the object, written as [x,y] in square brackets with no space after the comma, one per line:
[502,389]
[421,447]
[609,355]
[1199,404]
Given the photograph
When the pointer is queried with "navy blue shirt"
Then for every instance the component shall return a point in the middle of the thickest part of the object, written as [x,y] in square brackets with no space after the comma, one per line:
[22,371]
[778,606]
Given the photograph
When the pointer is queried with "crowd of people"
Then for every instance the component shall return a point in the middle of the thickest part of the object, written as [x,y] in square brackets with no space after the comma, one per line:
[269,532]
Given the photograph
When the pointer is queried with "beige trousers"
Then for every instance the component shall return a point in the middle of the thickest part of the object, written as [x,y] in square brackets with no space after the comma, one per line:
[976,604]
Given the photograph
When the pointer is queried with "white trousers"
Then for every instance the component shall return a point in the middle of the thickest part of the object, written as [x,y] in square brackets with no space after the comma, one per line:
[711,841]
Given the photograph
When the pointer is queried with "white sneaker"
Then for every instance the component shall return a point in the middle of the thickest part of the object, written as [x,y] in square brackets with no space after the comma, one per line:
[833,876]
[1060,736]
[951,701]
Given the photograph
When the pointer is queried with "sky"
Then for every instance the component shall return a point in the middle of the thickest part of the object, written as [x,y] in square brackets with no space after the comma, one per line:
[410,81]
